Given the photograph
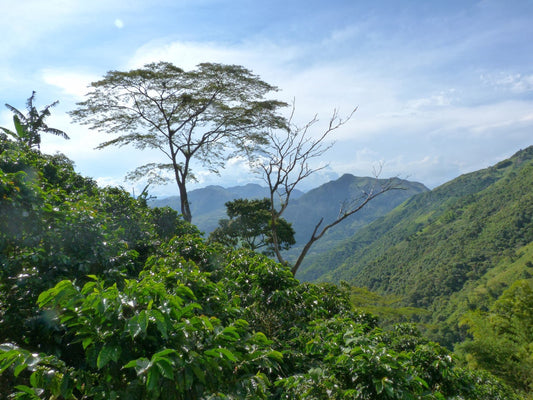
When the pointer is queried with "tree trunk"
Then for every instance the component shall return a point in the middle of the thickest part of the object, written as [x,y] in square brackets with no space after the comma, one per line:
[184,199]
[181,177]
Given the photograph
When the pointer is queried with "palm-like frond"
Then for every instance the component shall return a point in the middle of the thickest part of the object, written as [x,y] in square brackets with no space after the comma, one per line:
[28,127]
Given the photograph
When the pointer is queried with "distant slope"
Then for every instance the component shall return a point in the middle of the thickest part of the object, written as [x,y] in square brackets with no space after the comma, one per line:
[304,210]
[207,204]
[326,200]
[441,249]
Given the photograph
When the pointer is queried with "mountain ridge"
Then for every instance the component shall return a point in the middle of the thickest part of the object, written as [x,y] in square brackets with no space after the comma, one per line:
[438,247]
[207,204]
[305,209]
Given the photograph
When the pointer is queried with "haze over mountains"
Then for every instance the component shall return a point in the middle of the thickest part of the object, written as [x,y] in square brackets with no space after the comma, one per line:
[207,204]
[305,209]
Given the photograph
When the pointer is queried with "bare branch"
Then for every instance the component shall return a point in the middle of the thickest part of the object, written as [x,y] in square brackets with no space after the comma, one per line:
[348,209]
[287,163]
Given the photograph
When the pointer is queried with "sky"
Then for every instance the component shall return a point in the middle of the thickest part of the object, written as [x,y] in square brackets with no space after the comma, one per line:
[442,88]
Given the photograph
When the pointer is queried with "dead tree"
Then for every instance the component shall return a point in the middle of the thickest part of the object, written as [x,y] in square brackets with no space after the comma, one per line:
[286,163]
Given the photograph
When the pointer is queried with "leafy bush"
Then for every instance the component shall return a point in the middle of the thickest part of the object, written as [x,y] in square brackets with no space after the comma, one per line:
[104,298]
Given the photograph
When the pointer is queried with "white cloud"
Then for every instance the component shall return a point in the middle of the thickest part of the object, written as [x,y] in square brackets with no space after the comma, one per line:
[514,82]
[70,82]
[263,57]
[409,115]
[405,127]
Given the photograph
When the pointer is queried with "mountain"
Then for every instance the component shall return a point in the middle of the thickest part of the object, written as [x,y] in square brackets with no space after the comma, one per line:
[305,209]
[326,200]
[207,204]
[454,248]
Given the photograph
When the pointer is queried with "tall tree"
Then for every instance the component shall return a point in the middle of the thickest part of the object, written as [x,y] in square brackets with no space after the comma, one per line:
[205,115]
[28,127]
[286,163]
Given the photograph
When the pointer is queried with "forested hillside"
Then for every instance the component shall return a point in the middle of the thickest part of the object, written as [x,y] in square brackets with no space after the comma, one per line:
[207,204]
[327,200]
[102,297]
[305,209]
[449,250]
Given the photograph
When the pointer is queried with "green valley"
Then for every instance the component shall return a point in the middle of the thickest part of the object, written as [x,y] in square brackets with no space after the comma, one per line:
[449,250]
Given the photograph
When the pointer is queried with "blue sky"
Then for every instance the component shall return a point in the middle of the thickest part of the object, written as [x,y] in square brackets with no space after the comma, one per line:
[442,87]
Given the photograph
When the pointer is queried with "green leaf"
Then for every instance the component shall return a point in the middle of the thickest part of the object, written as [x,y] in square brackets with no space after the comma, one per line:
[141,365]
[21,131]
[230,333]
[87,288]
[67,386]
[152,379]
[108,353]
[86,342]
[185,291]
[165,367]
[221,351]
[7,359]
[34,393]
[18,369]
[164,353]
[34,378]
[131,364]
[199,373]
[160,322]
[133,326]
[276,355]
[143,320]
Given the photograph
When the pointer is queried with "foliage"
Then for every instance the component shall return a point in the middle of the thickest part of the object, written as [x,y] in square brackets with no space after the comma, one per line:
[502,337]
[388,308]
[439,248]
[249,226]
[347,359]
[101,300]
[152,340]
[58,225]
[28,127]
[196,116]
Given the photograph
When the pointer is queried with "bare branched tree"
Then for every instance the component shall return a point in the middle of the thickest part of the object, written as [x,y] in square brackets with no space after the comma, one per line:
[287,162]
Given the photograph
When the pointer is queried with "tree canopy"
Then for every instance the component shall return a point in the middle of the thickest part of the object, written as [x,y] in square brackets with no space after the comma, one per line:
[249,226]
[205,115]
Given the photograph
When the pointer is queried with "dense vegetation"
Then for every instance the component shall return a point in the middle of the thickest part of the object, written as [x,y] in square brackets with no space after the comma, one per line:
[449,251]
[326,200]
[102,297]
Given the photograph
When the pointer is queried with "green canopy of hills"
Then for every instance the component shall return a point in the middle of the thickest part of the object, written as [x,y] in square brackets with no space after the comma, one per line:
[327,200]
[103,297]
[449,250]
[305,209]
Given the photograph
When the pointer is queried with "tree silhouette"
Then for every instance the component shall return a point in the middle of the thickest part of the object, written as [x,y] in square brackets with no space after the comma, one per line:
[202,117]
[28,127]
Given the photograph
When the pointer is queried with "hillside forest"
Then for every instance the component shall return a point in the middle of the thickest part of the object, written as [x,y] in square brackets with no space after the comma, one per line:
[103,296]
